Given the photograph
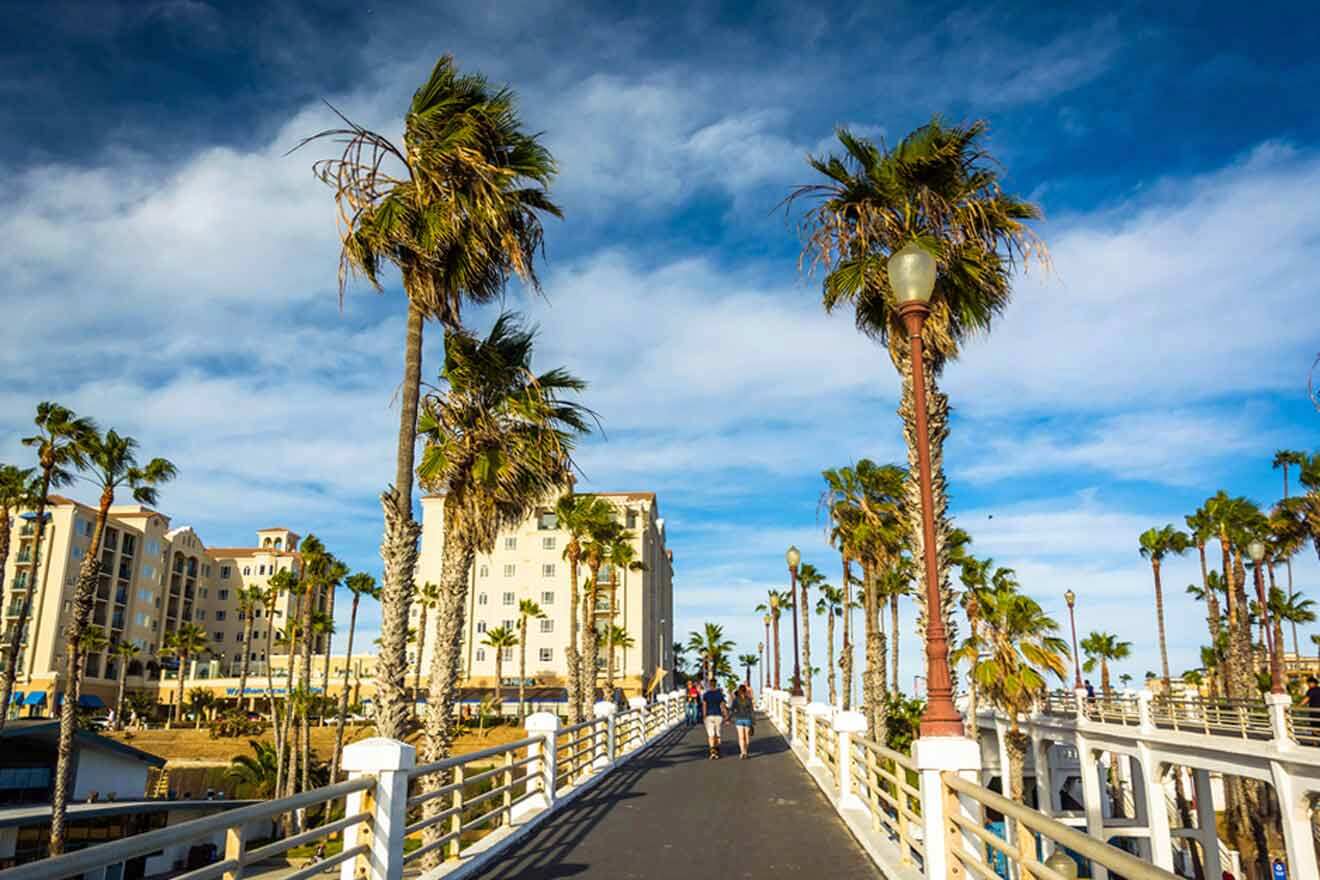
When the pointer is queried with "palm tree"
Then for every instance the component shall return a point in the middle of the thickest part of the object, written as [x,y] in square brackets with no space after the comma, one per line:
[1126,679]
[830,604]
[894,582]
[679,650]
[457,209]
[283,581]
[617,638]
[1201,529]
[359,585]
[110,464]
[1101,649]
[1282,459]
[527,610]
[621,555]
[59,444]
[126,651]
[248,600]
[595,553]
[500,638]
[1155,544]
[427,597]
[808,577]
[201,700]
[712,649]
[747,661]
[939,187]
[498,444]
[260,770]
[1010,657]
[773,607]
[579,516]
[183,643]
[1294,609]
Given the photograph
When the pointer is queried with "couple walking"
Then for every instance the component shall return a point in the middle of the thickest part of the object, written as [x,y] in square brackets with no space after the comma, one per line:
[715,711]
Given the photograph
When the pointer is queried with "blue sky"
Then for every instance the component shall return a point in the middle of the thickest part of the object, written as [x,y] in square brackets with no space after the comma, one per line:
[171,271]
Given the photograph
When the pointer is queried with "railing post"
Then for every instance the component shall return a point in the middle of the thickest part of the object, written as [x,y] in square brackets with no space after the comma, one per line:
[638,706]
[793,725]
[1145,721]
[389,762]
[1279,704]
[934,755]
[507,781]
[846,724]
[546,726]
[456,820]
[234,851]
[815,712]
[604,752]
[1080,701]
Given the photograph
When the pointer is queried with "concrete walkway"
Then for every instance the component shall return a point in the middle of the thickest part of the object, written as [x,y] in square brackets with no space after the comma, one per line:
[671,813]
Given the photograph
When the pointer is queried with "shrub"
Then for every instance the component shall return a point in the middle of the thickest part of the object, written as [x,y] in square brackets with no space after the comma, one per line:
[234,723]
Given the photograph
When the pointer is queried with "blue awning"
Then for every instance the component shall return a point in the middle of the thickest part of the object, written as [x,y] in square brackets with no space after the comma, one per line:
[30,515]
[36,698]
[17,697]
[90,701]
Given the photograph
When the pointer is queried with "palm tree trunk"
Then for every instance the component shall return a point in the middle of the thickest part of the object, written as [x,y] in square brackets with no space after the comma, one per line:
[775,619]
[446,658]
[119,696]
[571,655]
[329,643]
[275,728]
[183,673]
[247,658]
[304,720]
[937,423]
[829,654]
[1016,746]
[873,679]
[34,567]
[846,663]
[609,633]
[343,695]
[398,548]
[590,641]
[522,671]
[1159,624]
[805,615]
[499,682]
[421,647]
[893,635]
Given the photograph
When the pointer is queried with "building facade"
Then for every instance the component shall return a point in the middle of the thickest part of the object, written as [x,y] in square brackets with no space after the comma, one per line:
[154,578]
[528,563]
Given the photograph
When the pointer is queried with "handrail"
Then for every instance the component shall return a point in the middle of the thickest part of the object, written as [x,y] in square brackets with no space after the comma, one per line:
[1110,857]
[456,760]
[122,850]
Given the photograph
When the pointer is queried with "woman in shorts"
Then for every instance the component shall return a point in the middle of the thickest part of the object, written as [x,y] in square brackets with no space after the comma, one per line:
[743,710]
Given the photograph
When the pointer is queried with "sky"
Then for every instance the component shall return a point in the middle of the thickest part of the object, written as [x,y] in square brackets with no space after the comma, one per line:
[170,267]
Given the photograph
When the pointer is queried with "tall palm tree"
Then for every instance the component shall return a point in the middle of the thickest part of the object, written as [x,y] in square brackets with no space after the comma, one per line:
[839,498]
[281,582]
[773,607]
[747,661]
[527,611]
[1283,458]
[712,649]
[809,577]
[359,584]
[595,553]
[248,600]
[1102,649]
[579,516]
[938,187]
[500,638]
[427,597]
[1155,545]
[616,638]
[59,444]
[1294,609]
[126,652]
[679,651]
[830,604]
[1202,529]
[895,582]
[457,209]
[498,443]
[92,641]
[622,557]
[109,463]
[183,643]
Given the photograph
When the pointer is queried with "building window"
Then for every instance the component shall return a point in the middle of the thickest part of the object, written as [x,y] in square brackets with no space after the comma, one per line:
[507,624]
[484,571]
[223,595]
[481,626]
[261,569]
[509,598]
[201,614]
[547,543]
[546,521]
[510,543]
[205,592]
[508,654]
[247,569]
[219,615]
[224,572]
[547,625]
[547,598]
[481,654]
[481,598]
[546,655]
[219,637]
[148,572]
[548,570]
[240,614]
[76,553]
[632,518]
[257,614]
[509,569]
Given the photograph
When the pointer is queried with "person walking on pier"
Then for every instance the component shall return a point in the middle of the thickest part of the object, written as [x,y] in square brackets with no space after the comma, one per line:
[743,711]
[693,704]
[714,711]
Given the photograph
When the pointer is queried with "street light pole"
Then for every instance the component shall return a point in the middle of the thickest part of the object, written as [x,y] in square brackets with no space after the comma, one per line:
[793,557]
[1071,598]
[1256,550]
[912,277]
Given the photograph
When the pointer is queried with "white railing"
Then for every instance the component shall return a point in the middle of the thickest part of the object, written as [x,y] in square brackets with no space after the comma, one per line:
[457,812]
[917,816]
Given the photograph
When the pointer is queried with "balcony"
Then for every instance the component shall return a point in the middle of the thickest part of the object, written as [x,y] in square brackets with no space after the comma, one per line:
[121,596]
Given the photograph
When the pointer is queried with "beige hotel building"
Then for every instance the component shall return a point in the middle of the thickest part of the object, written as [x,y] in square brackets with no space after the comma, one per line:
[528,563]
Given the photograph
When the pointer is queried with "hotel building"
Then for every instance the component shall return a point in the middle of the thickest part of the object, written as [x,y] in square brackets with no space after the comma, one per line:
[528,563]
[154,577]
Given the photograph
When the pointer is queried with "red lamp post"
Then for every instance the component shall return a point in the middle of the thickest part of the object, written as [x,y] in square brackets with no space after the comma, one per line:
[1071,598]
[1256,550]
[793,557]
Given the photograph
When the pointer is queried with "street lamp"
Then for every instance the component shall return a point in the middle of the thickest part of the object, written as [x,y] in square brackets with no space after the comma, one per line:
[1256,550]
[760,658]
[793,557]
[1071,598]
[912,278]
[766,685]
